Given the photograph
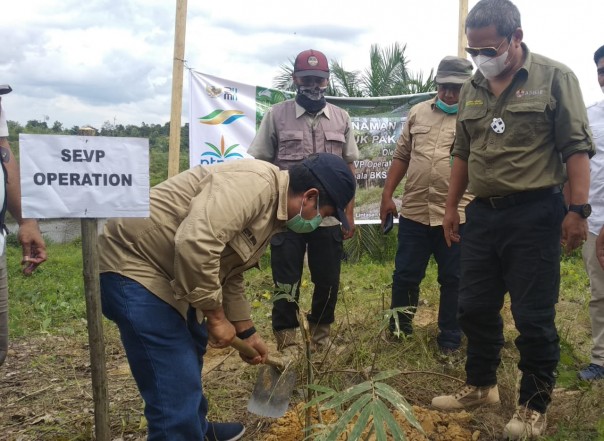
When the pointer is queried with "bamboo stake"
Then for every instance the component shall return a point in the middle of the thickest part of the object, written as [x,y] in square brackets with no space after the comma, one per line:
[177,74]
[461,32]
[94,318]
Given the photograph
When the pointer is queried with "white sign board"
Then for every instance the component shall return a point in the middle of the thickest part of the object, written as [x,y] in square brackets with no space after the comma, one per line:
[84,176]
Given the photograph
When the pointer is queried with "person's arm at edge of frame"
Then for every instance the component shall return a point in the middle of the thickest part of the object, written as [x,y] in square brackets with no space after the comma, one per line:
[398,168]
[32,242]
[600,247]
[574,227]
[395,175]
[350,154]
[264,144]
[347,234]
[457,187]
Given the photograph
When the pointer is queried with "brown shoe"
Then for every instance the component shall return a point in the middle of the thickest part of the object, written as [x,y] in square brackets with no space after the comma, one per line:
[525,424]
[467,397]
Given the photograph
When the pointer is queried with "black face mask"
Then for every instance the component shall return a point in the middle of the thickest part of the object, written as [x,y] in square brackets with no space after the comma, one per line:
[311,99]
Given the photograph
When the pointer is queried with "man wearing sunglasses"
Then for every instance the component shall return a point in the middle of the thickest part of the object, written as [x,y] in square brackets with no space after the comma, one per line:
[521,122]
[423,154]
[290,131]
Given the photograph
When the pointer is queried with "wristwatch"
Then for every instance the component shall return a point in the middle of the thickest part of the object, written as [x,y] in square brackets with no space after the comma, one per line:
[583,210]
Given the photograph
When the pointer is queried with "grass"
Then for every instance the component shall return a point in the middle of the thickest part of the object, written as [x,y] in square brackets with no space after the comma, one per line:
[51,303]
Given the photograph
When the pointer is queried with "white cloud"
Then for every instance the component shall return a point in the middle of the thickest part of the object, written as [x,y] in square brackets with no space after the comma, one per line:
[89,62]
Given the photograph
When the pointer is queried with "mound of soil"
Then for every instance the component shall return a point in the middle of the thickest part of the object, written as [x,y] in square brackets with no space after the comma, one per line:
[438,426]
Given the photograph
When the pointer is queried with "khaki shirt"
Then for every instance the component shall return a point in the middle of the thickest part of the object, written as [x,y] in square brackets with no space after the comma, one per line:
[425,144]
[207,225]
[545,123]
[288,134]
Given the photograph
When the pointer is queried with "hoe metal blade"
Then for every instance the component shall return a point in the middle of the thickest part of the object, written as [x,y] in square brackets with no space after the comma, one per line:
[272,391]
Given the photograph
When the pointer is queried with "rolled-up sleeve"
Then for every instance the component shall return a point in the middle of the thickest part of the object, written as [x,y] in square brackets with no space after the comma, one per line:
[571,124]
[236,307]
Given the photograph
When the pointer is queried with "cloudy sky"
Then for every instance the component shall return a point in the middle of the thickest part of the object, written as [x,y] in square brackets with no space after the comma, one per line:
[86,63]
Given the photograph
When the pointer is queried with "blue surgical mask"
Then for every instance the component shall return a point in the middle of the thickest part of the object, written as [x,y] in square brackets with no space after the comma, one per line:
[300,225]
[447,108]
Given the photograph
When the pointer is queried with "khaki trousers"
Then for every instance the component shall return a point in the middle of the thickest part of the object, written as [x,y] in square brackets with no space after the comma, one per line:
[3,309]
[596,304]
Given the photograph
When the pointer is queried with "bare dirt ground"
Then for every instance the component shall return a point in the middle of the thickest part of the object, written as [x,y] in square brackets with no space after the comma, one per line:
[45,394]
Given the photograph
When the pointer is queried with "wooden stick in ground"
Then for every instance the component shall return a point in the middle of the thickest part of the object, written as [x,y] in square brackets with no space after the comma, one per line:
[96,341]
[95,329]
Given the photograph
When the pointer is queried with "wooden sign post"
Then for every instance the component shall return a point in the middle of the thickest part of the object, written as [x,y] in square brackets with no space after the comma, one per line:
[87,177]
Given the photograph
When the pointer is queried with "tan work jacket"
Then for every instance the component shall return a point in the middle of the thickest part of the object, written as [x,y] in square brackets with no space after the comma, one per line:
[207,226]
[425,144]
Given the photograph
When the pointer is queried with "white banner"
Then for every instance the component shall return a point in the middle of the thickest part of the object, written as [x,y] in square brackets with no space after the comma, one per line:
[84,176]
[224,117]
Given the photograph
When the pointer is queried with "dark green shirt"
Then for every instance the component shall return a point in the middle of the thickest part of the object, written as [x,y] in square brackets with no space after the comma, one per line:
[545,123]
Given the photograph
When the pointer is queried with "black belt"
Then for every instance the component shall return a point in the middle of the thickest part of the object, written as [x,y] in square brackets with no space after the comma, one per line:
[518,198]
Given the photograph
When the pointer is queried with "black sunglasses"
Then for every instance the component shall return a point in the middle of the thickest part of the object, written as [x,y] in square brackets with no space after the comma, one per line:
[487,51]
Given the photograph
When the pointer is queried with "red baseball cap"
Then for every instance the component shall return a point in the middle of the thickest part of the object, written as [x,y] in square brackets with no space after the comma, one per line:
[311,63]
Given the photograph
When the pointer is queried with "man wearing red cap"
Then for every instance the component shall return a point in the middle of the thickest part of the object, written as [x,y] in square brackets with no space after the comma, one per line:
[290,131]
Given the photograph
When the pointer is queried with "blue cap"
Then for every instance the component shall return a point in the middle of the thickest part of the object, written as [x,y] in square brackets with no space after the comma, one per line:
[337,179]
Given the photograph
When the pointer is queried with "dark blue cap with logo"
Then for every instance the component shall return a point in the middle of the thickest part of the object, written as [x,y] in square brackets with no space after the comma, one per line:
[337,179]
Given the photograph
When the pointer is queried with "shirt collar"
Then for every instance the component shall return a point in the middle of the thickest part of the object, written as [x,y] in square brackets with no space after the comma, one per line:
[301,111]
[283,188]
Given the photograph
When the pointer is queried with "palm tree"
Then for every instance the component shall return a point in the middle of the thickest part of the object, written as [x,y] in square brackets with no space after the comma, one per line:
[387,75]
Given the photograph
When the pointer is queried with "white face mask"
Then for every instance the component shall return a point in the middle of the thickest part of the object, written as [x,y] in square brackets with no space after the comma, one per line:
[602,89]
[491,66]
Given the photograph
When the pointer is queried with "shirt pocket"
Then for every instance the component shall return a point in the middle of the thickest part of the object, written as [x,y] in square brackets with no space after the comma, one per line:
[474,121]
[527,122]
[290,145]
[334,143]
[419,134]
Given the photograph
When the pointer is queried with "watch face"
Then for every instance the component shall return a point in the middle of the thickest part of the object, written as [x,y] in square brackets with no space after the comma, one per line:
[583,210]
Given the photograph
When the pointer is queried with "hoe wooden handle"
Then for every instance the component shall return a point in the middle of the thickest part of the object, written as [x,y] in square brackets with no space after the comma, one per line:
[250,352]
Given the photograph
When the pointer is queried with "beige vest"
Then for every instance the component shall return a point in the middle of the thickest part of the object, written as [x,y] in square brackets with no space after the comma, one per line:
[300,137]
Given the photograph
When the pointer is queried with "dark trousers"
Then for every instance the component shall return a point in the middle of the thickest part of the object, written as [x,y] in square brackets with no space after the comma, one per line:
[324,261]
[515,250]
[416,243]
[165,353]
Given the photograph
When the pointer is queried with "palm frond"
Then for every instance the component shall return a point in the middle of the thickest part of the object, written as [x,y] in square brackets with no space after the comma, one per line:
[283,80]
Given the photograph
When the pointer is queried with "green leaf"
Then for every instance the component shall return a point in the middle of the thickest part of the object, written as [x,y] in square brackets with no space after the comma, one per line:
[347,416]
[283,296]
[326,393]
[395,429]
[320,398]
[378,421]
[320,388]
[361,423]
[386,374]
[399,402]
[348,395]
